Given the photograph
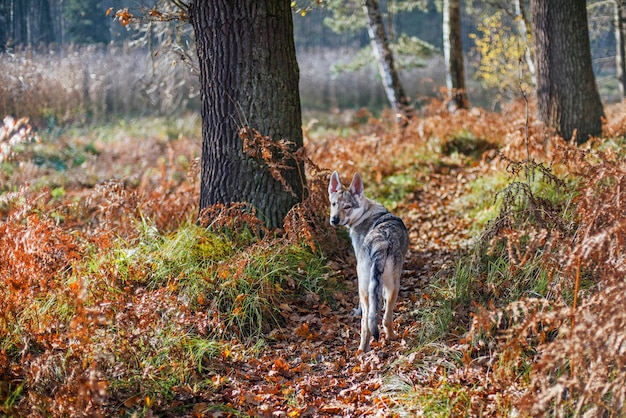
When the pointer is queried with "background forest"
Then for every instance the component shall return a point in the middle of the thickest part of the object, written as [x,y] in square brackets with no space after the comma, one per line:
[94,58]
[120,300]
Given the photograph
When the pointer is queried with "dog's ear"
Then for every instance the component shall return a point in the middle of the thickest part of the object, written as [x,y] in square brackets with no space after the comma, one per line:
[356,187]
[335,184]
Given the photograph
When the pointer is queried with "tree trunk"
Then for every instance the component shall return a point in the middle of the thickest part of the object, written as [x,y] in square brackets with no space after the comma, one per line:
[523,27]
[19,16]
[5,27]
[384,57]
[42,20]
[620,45]
[26,22]
[567,95]
[249,77]
[453,55]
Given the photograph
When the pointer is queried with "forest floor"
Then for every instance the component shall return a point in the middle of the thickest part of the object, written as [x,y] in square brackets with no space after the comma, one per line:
[118,303]
[311,367]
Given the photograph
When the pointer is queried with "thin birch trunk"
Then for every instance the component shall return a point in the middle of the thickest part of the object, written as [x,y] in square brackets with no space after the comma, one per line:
[384,59]
[523,28]
[620,45]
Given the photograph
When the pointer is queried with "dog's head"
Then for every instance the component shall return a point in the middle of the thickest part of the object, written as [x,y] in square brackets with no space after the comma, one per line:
[346,205]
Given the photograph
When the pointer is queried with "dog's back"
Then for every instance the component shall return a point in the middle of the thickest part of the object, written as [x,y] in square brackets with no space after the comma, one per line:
[380,231]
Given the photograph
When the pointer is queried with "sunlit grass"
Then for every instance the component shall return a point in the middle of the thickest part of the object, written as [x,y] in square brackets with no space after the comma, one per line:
[132,150]
[481,204]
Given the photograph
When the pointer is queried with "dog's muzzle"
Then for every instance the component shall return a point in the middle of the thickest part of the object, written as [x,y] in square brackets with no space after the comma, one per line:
[334,221]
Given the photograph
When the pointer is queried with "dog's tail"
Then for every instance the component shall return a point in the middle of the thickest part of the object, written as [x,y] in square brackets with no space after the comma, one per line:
[375,294]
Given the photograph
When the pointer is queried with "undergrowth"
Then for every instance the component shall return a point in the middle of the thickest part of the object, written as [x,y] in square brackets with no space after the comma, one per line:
[544,267]
[546,275]
[139,318]
[533,301]
[120,300]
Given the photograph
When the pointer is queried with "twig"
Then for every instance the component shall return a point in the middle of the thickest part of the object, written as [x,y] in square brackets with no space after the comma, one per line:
[521,88]
[576,283]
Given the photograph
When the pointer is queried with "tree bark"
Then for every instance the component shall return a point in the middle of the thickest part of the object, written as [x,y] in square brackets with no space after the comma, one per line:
[42,19]
[19,29]
[567,95]
[249,77]
[523,27]
[25,22]
[384,58]
[453,55]
[620,45]
[5,24]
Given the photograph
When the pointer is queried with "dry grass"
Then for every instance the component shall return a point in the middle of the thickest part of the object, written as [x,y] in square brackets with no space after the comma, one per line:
[81,84]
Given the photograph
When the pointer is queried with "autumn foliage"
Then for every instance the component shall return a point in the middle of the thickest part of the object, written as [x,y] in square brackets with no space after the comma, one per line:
[120,299]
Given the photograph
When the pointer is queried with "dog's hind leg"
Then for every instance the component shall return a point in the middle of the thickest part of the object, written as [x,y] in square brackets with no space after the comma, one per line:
[391,287]
[364,305]
[366,335]
[390,301]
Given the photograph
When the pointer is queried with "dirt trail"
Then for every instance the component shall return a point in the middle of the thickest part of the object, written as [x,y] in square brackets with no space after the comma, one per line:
[311,367]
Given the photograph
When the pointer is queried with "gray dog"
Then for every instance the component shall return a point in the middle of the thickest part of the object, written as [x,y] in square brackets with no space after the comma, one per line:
[380,242]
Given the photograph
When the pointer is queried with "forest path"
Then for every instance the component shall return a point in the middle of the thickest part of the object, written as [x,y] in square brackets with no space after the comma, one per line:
[311,366]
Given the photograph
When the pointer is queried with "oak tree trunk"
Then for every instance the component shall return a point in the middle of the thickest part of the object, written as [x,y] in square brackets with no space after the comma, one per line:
[567,95]
[249,77]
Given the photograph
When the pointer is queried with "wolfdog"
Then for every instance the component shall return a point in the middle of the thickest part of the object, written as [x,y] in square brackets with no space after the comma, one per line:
[380,241]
